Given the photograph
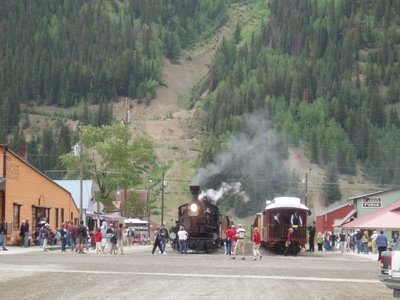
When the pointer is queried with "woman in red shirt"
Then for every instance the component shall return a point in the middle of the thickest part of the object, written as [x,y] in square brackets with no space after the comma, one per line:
[256,243]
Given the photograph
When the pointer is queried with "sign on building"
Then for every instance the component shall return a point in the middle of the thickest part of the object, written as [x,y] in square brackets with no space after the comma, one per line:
[372,202]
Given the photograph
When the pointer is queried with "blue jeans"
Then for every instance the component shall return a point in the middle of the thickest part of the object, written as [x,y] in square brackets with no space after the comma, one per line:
[359,246]
[366,248]
[3,240]
[26,239]
[228,247]
[72,243]
[163,242]
[63,243]
[182,246]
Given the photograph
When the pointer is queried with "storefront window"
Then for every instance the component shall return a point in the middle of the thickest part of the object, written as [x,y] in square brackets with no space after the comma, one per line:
[62,215]
[16,219]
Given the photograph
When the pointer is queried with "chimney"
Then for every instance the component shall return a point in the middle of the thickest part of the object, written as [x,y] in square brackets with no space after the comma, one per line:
[195,191]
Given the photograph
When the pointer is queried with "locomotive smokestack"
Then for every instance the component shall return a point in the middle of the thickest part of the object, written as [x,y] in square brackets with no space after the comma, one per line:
[195,191]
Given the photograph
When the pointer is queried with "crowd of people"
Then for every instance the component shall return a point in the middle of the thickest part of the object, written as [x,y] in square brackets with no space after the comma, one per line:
[360,242]
[109,238]
[234,242]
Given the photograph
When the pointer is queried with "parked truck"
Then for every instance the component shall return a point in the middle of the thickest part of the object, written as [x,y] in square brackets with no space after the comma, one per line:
[390,269]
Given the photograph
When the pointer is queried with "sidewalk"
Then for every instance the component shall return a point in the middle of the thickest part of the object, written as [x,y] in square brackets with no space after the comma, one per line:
[18,249]
[21,250]
[370,255]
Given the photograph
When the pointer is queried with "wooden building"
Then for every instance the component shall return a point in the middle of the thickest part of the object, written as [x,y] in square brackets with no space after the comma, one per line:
[26,193]
[334,216]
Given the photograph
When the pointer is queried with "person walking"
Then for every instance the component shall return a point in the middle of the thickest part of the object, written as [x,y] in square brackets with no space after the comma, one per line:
[239,247]
[103,230]
[233,238]
[182,236]
[120,238]
[228,242]
[3,234]
[358,238]
[46,236]
[381,243]
[63,233]
[98,238]
[82,237]
[256,243]
[72,235]
[365,242]
[342,241]
[311,237]
[157,241]
[163,238]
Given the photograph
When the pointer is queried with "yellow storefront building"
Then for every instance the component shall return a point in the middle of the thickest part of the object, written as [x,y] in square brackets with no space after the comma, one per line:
[26,193]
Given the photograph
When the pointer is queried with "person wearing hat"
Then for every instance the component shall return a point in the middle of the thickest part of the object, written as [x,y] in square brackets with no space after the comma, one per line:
[182,236]
[239,247]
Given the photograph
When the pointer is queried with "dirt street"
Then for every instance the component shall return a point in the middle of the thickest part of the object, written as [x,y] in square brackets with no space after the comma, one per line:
[33,274]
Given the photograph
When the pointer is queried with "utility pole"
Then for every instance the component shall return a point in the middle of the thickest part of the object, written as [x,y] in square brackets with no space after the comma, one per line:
[126,122]
[162,200]
[81,173]
[148,208]
[306,192]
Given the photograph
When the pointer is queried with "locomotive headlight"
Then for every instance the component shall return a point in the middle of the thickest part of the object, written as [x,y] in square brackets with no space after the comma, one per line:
[193,207]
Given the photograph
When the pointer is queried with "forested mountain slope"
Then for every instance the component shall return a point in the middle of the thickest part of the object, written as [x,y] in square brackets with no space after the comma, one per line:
[328,74]
[66,52]
[310,85]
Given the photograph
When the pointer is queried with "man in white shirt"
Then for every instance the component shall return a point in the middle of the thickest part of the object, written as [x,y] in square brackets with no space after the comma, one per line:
[182,236]
[296,220]
[240,234]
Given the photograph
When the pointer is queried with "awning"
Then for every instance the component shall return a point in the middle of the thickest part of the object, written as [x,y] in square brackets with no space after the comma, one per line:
[347,218]
[42,206]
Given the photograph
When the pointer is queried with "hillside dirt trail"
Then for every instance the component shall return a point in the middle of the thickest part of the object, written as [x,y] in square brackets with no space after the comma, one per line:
[175,130]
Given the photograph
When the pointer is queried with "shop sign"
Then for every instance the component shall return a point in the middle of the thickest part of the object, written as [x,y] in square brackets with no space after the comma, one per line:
[371,202]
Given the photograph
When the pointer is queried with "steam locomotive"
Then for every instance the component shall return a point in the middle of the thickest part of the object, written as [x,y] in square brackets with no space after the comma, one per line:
[275,220]
[203,222]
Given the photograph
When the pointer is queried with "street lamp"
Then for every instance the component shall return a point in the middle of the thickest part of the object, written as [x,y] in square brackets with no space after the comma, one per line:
[148,208]
[81,173]
[77,150]
[163,184]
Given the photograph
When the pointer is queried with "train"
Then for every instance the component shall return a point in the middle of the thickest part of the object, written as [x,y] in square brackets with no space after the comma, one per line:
[203,222]
[274,222]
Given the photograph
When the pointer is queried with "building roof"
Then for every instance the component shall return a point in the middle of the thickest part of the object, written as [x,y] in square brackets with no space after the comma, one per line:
[32,167]
[346,219]
[74,188]
[386,217]
[286,202]
[372,194]
[333,208]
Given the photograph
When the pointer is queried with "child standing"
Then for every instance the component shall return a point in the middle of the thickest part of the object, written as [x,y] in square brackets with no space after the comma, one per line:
[98,239]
